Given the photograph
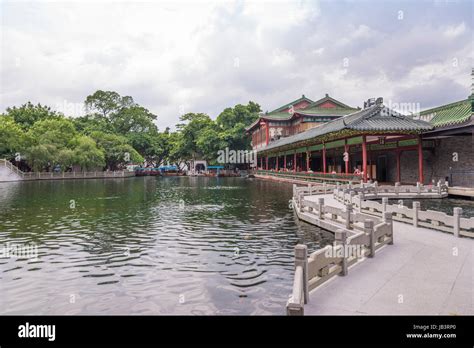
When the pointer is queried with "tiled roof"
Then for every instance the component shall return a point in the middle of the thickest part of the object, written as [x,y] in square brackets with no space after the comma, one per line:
[374,118]
[286,106]
[330,99]
[450,114]
[313,109]
[319,111]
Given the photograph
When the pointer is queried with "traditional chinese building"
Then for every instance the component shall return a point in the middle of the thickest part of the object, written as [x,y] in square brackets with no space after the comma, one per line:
[295,117]
[368,144]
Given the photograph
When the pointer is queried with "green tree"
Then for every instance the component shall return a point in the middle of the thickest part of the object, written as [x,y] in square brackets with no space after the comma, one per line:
[86,153]
[53,131]
[195,125]
[116,149]
[233,121]
[107,102]
[11,137]
[134,118]
[42,156]
[91,123]
[28,114]
[45,140]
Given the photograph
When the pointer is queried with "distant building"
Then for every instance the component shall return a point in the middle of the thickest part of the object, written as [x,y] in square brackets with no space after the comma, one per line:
[295,117]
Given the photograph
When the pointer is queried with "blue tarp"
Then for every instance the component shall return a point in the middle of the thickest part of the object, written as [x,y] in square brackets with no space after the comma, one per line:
[215,167]
[167,168]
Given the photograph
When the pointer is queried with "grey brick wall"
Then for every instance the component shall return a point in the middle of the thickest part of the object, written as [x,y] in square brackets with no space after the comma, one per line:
[438,163]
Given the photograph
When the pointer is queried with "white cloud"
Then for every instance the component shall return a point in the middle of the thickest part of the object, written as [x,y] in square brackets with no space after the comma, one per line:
[180,55]
[454,31]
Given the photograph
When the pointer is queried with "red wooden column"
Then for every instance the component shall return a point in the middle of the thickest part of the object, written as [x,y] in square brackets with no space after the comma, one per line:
[284,162]
[324,158]
[266,162]
[399,153]
[364,158]
[294,162]
[308,153]
[277,158]
[346,151]
[261,163]
[420,160]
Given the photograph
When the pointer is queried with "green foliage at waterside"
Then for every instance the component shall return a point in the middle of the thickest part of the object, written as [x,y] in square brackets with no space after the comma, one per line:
[115,132]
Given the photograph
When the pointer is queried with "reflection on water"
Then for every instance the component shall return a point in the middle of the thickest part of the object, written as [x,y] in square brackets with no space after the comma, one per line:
[150,245]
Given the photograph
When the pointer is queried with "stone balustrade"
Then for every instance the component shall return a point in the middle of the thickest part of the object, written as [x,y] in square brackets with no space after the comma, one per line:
[357,236]
[455,224]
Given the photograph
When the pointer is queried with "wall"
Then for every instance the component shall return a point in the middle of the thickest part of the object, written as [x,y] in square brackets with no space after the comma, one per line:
[444,160]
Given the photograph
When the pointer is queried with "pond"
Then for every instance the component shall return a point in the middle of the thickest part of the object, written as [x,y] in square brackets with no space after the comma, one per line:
[173,245]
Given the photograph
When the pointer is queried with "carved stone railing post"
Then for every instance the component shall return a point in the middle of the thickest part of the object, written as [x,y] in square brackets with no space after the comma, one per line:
[384,204]
[310,189]
[341,240]
[348,213]
[418,188]
[301,259]
[397,188]
[369,229]
[457,221]
[416,209]
[352,194]
[387,218]
[321,208]
[376,188]
[438,187]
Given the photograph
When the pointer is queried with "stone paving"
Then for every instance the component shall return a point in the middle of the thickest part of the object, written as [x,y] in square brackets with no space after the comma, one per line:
[424,272]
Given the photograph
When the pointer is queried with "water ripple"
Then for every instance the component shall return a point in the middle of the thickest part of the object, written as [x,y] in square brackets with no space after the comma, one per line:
[132,246]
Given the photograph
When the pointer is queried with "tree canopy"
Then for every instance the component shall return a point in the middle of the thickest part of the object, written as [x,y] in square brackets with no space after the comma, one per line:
[117,131]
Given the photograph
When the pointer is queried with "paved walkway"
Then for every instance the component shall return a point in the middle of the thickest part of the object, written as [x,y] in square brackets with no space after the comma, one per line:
[424,272]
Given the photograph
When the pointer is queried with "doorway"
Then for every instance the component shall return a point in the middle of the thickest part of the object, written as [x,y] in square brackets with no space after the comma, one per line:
[382,168]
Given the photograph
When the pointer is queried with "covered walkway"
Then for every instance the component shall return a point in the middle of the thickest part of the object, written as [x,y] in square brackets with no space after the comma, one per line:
[369,144]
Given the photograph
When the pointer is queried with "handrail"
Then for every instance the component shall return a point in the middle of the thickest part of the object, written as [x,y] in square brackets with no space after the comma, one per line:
[64,175]
[435,220]
[295,305]
[357,235]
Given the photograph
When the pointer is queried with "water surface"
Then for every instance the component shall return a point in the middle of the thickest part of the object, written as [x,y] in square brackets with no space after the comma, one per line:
[148,245]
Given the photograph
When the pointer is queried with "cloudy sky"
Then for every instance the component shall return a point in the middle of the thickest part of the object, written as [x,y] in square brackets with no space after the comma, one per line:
[202,56]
